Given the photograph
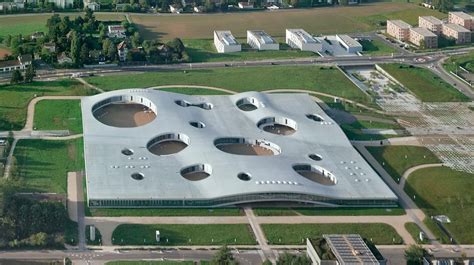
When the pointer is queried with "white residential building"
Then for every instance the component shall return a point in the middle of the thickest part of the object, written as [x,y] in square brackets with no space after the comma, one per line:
[245,5]
[116,31]
[423,37]
[20,63]
[260,40]
[298,38]
[225,42]
[62,3]
[398,29]
[122,50]
[351,45]
[431,23]
[462,19]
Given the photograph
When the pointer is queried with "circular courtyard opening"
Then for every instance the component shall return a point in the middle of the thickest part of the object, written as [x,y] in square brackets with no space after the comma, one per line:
[196,172]
[247,104]
[315,173]
[168,143]
[245,146]
[278,125]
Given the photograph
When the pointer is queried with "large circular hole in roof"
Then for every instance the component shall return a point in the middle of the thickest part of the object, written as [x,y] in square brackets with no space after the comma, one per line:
[244,176]
[125,111]
[247,104]
[278,125]
[168,143]
[137,176]
[196,172]
[315,173]
[245,146]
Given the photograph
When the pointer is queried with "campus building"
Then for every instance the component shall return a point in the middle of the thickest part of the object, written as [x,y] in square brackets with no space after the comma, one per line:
[398,29]
[149,148]
[457,32]
[424,38]
[350,44]
[431,23]
[225,42]
[20,63]
[260,40]
[462,19]
[300,39]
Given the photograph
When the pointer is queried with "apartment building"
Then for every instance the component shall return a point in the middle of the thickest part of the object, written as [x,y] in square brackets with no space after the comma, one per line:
[431,23]
[398,29]
[457,32]
[462,19]
[423,37]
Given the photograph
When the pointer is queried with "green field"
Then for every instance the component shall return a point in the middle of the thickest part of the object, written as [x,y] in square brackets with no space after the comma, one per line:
[325,20]
[147,262]
[399,159]
[15,98]
[166,212]
[465,61]
[427,86]
[58,115]
[43,164]
[445,191]
[202,50]
[180,235]
[296,234]
[193,91]
[354,130]
[409,15]
[376,47]
[414,231]
[314,78]
[328,211]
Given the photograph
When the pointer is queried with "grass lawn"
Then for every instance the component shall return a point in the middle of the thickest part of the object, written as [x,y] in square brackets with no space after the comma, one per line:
[350,211]
[398,159]
[149,262]
[274,211]
[354,130]
[202,50]
[98,237]
[424,84]
[208,234]
[445,191]
[296,234]
[465,61]
[14,99]
[376,47]
[414,231]
[323,79]
[58,115]
[365,124]
[166,212]
[71,233]
[325,20]
[193,91]
[43,164]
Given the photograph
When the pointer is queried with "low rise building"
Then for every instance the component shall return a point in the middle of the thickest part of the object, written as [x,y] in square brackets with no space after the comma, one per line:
[122,50]
[424,38]
[116,31]
[175,9]
[62,3]
[300,39]
[50,46]
[8,6]
[348,43]
[398,29]
[20,63]
[37,35]
[63,58]
[245,5]
[225,42]
[260,40]
[462,19]
[94,6]
[431,23]
[457,32]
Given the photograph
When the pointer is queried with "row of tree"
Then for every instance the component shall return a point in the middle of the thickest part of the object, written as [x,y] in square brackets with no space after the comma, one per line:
[17,77]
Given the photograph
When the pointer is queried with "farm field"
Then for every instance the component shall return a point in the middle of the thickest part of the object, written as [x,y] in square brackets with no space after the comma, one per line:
[322,79]
[58,115]
[203,50]
[208,234]
[296,234]
[15,99]
[445,191]
[27,24]
[315,20]
[43,165]
[424,84]
[398,159]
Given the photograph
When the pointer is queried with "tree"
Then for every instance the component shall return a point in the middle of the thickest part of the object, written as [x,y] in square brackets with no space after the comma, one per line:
[30,73]
[111,51]
[84,54]
[17,77]
[224,257]
[136,40]
[289,259]
[414,254]
[76,44]
[443,5]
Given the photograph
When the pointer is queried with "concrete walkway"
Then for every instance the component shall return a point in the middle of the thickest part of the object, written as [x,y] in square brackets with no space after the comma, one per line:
[75,204]
[413,169]
[266,252]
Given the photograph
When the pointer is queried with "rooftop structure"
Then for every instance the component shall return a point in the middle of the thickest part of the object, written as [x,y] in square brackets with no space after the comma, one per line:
[423,37]
[298,38]
[259,39]
[225,42]
[350,44]
[398,29]
[350,249]
[431,23]
[147,148]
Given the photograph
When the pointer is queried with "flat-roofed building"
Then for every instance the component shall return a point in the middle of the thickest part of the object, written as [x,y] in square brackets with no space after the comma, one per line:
[457,32]
[431,23]
[225,42]
[461,19]
[20,63]
[423,37]
[259,39]
[298,38]
[398,29]
[350,44]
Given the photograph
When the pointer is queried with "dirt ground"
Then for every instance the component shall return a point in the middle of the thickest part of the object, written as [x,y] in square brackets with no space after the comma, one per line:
[3,52]
[245,149]
[167,148]
[125,115]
